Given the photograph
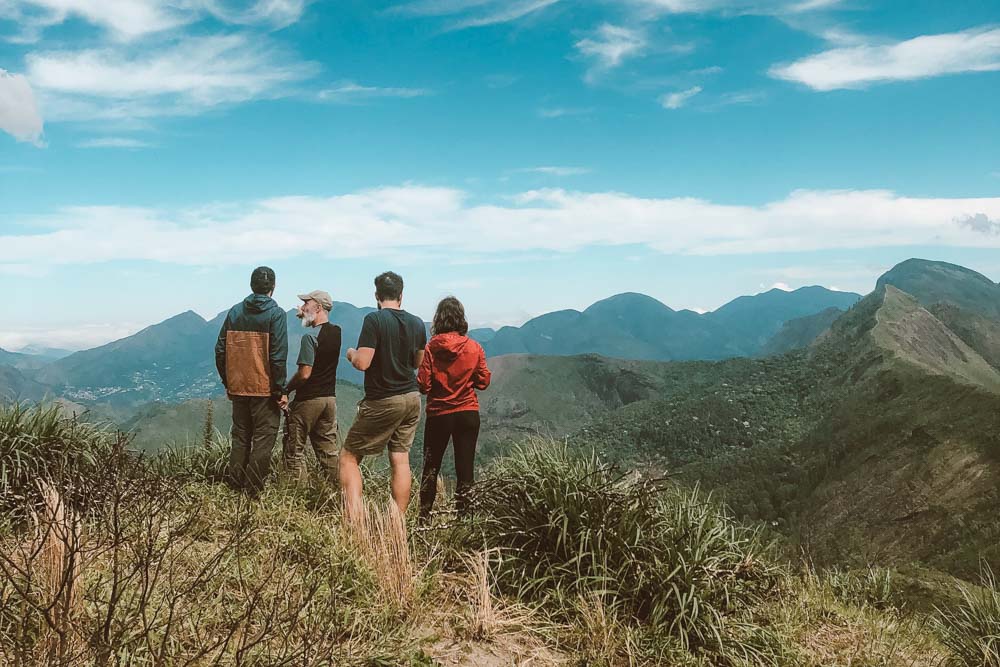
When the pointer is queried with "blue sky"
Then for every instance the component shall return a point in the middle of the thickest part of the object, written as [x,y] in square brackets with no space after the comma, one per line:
[526,155]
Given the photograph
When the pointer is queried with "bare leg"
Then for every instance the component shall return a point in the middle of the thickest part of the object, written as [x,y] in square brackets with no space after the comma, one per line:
[350,482]
[402,479]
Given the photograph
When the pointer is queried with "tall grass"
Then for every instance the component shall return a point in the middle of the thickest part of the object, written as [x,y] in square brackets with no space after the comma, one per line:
[971,630]
[569,528]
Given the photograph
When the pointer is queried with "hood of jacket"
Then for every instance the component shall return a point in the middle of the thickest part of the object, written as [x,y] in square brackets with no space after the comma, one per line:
[447,346]
[259,303]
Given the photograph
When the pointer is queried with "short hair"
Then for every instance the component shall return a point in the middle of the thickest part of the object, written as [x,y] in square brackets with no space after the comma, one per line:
[450,317]
[388,286]
[262,280]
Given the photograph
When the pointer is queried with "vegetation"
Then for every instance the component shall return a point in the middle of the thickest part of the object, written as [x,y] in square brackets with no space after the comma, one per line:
[132,560]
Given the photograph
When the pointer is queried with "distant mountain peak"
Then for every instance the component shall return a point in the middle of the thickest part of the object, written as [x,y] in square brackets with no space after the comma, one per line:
[931,282]
[916,265]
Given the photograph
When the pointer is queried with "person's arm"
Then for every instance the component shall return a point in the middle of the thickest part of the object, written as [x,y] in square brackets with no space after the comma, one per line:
[220,351]
[305,363]
[481,376]
[278,353]
[361,358]
[418,353]
[424,373]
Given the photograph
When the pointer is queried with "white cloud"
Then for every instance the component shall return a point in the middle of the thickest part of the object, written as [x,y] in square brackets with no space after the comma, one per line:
[679,99]
[559,112]
[130,19]
[975,50]
[762,7]
[473,13]
[610,46]
[418,221]
[555,171]
[114,142]
[72,336]
[188,76]
[19,115]
[350,92]
[784,287]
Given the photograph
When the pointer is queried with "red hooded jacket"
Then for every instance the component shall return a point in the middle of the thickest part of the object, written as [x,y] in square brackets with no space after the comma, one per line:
[454,366]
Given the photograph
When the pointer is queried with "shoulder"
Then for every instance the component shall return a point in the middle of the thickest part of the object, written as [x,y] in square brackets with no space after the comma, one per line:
[373,317]
[309,339]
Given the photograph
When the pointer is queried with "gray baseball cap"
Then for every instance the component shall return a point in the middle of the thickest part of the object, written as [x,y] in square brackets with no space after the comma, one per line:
[319,296]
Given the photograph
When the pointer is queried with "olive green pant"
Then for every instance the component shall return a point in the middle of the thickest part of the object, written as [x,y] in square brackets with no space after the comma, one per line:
[315,420]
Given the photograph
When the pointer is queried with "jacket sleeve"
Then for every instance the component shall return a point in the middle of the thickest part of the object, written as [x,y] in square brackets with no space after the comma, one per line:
[220,351]
[279,353]
[425,373]
[481,376]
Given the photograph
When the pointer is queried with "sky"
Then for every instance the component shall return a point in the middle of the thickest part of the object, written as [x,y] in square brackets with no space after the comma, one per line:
[523,155]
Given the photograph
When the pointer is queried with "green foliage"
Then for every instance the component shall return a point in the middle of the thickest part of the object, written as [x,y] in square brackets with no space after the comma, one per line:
[872,586]
[971,630]
[570,527]
[41,442]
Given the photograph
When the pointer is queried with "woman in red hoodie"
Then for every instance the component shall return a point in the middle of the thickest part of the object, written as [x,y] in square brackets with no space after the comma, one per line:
[454,367]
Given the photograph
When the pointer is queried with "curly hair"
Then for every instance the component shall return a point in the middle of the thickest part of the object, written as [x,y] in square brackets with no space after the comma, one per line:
[450,317]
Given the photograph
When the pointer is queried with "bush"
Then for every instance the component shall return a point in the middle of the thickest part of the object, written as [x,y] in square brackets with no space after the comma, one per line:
[570,528]
[971,630]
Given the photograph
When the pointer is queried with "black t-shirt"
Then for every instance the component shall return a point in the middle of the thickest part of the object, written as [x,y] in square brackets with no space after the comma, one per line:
[396,336]
[322,352]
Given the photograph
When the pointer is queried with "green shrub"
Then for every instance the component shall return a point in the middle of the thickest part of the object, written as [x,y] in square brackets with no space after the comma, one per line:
[971,630]
[570,527]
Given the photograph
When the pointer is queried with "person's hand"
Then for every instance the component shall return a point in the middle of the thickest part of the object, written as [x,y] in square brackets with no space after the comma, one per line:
[283,403]
[350,354]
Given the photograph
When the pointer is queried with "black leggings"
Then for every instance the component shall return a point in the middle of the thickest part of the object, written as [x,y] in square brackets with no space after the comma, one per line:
[463,428]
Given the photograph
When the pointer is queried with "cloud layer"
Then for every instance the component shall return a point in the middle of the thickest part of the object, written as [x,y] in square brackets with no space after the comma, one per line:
[19,115]
[430,221]
[188,75]
[127,20]
[976,50]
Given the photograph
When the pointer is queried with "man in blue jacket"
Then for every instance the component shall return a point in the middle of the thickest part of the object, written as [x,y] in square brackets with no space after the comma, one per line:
[250,355]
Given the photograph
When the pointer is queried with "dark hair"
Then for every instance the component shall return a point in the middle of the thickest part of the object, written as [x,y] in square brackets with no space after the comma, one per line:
[262,280]
[388,286]
[450,316]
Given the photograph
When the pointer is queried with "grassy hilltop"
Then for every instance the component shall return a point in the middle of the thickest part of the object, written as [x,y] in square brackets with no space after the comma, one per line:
[120,559]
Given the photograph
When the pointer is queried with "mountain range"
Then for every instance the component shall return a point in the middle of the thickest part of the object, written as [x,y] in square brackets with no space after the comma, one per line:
[865,430]
[173,360]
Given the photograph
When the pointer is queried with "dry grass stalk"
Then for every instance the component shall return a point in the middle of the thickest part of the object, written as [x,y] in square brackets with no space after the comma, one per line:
[382,539]
[56,561]
[484,620]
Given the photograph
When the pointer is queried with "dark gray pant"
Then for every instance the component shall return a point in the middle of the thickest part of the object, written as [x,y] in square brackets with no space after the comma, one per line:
[255,430]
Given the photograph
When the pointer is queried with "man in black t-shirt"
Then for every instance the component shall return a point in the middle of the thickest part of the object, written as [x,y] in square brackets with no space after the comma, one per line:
[390,349]
[313,413]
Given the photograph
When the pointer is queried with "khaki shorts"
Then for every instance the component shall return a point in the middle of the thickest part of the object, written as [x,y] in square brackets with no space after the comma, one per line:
[386,421]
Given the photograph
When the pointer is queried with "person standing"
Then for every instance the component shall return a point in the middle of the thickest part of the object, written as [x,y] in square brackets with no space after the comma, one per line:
[390,349]
[453,368]
[313,413]
[250,355]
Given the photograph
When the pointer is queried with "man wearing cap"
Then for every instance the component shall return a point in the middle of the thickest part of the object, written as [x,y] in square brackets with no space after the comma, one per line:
[250,355]
[313,413]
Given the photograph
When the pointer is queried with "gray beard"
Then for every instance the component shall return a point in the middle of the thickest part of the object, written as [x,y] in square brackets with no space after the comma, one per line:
[308,322]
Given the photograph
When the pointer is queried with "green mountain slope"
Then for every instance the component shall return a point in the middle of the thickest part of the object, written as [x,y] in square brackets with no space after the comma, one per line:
[755,319]
[980,333]
[880,443]
[913,335]
[800,332]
